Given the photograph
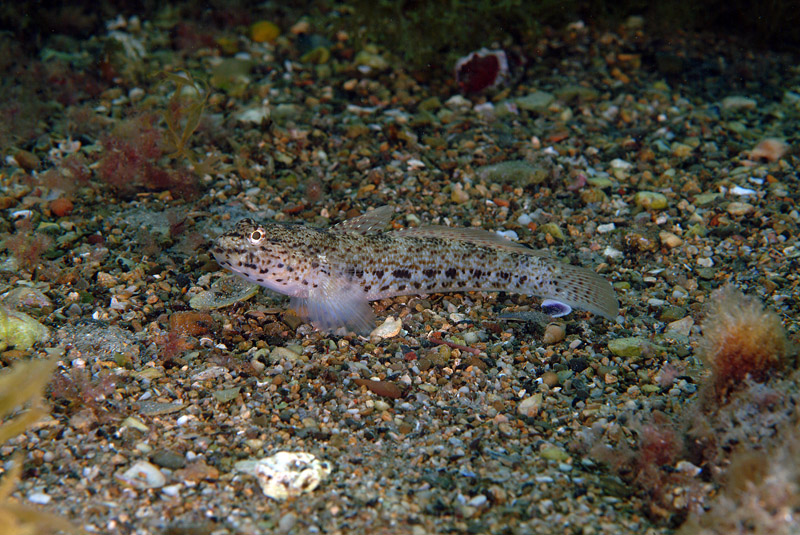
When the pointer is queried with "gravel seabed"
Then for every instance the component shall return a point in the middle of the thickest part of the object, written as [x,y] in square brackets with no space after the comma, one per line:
[671,169]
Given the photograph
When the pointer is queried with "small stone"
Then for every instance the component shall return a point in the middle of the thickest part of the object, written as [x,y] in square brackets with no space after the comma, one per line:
[737,103]
[287,522]
[650,200]
[19,330]
[552,230]
[682,326]
[143,475]
[227,395]
[530,406]
[373,60]
[39,498]
[264,31]
[669,239]
[382,388]
[26,297]
[280,353]
[627,347]
[197,471]
[739,209]
[550,379]
[536,101]
[61,207]
[515,172]
[458,195]
[27,160]
[554,333]
[553,453]
[389,328]
[168,459]
[770,149]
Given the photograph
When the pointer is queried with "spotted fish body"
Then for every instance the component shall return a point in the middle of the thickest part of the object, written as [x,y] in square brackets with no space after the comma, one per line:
[332,274]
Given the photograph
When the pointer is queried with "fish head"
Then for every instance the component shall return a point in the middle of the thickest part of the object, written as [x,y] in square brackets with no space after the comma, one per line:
[274,255]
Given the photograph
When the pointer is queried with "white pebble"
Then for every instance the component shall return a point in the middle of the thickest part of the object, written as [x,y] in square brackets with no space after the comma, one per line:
[39,497]
[390,328]
[508,234]
[143,475]
[524,220]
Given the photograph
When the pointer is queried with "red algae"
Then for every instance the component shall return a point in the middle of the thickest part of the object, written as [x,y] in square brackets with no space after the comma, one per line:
[741,339]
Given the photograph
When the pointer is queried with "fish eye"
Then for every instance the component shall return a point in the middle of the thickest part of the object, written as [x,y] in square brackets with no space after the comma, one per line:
[256,236]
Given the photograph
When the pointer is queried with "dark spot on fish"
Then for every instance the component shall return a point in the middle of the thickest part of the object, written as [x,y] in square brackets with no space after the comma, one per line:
[378,273]
[430,272]
[401,274]
[451,273]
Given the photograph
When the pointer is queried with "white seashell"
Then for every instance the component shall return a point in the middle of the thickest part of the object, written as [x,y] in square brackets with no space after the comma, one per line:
[143,475]
[287,474]
[390,328]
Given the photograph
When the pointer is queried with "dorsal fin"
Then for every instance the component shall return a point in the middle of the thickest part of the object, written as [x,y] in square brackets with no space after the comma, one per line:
[475,236]
[372,221]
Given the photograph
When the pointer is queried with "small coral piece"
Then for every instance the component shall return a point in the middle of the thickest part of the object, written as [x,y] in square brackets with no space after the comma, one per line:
[741,339]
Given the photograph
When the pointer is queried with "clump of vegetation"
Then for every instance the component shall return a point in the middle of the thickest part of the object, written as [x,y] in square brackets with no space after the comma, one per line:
[27,246]
[22,386]
[183,114]
[760,495]
[741,339]
[649,464]
[132,159]
[76,391]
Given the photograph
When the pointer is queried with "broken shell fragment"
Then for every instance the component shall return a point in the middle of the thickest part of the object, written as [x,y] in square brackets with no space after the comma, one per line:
[287,474]
[481,70]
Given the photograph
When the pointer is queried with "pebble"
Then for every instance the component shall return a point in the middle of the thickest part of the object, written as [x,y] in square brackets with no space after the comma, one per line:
[554,333]
[61,207]
[738,103]
[605,228]
[631,347]
[287,522]
[143,475]
[458,195]
[518,172]
[19,330]
[682,326]
[650,200]
[390,328]
[669,239]
[537,101]
[530,406]
[739,209]
[27,160]
[39,498]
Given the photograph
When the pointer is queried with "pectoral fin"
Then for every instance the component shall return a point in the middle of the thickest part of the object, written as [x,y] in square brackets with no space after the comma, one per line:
[336,303]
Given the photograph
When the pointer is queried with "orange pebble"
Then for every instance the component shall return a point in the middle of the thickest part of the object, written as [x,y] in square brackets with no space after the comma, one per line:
[61,207]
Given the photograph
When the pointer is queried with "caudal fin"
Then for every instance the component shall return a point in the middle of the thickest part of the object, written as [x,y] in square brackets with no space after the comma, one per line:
[582,288]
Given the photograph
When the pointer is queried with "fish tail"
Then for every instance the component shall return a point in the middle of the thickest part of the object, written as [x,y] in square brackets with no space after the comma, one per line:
[580,288]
